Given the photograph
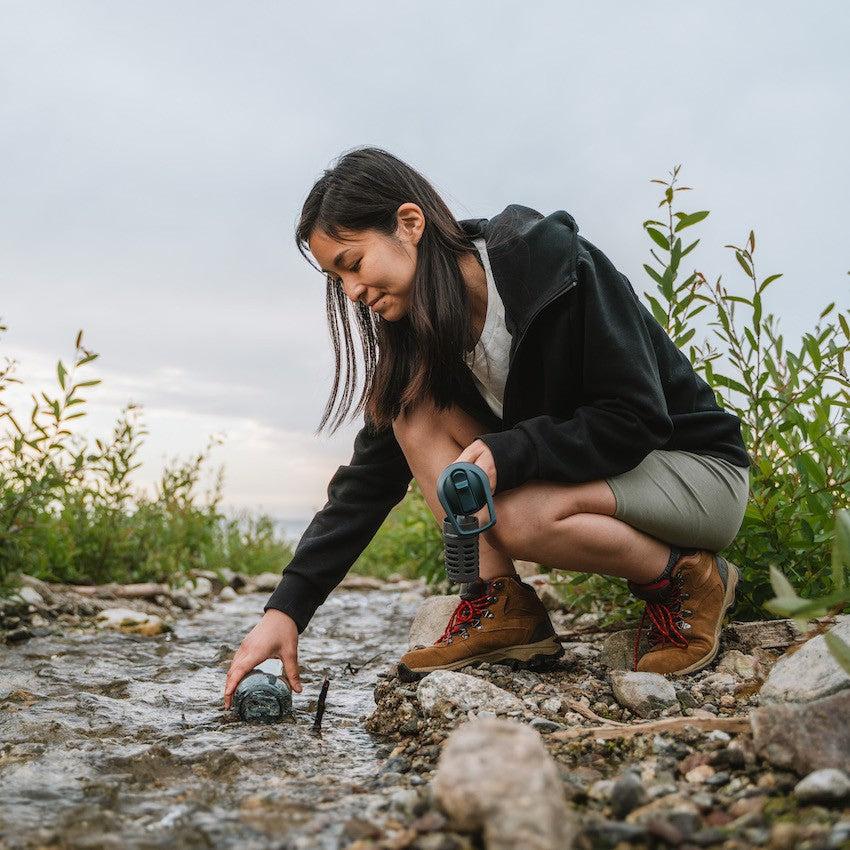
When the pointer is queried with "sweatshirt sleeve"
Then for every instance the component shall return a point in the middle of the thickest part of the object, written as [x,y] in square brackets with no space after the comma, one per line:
[623,415]
[360,495]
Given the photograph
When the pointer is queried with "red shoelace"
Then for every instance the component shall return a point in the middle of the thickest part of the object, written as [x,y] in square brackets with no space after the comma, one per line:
[665,621]
[466,612]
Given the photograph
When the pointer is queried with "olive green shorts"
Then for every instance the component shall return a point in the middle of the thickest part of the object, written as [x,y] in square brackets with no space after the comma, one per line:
[685,499]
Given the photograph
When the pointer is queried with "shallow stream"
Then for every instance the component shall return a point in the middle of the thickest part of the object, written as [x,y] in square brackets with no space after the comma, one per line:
[114,740]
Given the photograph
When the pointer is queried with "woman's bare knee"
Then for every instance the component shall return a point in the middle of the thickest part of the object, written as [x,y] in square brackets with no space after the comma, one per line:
[532,512]
[428,424]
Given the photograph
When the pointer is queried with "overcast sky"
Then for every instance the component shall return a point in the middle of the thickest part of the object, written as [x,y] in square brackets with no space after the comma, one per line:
[154,157]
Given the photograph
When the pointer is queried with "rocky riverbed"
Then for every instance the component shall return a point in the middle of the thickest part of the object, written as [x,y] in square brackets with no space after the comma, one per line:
[113,734]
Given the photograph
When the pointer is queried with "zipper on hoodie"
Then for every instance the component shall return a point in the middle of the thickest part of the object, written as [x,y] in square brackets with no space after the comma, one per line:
[573,282]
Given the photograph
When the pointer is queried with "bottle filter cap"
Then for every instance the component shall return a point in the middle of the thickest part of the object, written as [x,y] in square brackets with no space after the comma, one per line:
[262,698]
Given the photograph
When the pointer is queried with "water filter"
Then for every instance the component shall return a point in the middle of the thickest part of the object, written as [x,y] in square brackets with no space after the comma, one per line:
[262,696]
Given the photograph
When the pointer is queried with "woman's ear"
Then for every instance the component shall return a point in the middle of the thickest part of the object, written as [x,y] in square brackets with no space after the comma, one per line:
[410,223]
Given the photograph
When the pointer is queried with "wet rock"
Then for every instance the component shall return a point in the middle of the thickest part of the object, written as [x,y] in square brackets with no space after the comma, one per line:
[642,693]
[627,794]
[430,620]
[443,690]
[18,635]
[130,621]
[739,665]
[809,673]
[227,594]
[521,807]
[805,737]
[823,786]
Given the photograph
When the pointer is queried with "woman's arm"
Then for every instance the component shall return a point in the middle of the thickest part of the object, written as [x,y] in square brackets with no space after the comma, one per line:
[360,496]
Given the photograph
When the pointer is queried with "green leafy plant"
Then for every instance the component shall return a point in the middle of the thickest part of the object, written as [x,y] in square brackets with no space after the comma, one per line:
[69,511]
[409,543]
[792,403]
[786,602]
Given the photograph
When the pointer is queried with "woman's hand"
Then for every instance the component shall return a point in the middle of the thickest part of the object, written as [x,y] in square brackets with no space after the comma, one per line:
[480,455]
[275,636]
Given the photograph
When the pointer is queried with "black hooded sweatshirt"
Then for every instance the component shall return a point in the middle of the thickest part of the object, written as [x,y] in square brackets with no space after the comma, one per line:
[594,385]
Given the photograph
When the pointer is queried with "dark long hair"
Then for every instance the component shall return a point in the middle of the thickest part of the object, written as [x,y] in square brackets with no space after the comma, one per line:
[421,355]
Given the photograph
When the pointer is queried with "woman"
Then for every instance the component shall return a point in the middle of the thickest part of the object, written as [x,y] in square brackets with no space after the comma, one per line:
[514,344]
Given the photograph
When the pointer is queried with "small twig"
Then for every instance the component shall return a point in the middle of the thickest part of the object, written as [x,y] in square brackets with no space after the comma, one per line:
[320,708]
[353,671]
[584,711]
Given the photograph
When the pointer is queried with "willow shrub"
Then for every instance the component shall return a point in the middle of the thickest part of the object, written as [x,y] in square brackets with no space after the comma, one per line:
[792,401]
[69,511]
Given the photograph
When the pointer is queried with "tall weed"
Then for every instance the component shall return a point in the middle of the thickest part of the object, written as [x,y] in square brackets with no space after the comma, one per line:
[69,511]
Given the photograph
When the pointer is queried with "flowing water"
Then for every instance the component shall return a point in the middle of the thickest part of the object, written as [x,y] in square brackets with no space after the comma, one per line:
[114,740]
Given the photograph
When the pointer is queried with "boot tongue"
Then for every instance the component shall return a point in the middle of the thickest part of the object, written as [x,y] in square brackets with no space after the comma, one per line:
[474,590]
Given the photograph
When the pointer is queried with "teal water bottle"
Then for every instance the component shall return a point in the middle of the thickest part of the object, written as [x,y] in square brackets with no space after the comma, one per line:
[262,697]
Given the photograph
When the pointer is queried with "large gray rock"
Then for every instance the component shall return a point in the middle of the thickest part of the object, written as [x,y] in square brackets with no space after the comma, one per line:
[808,674]
[642,693]
[804,737]
[521,806]
[430,620]
[444,690]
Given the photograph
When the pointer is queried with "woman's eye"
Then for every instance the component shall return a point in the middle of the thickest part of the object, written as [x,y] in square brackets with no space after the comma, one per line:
[356,267]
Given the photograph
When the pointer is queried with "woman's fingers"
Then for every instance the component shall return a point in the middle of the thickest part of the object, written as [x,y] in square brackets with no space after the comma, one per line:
[275,636]
[242,664]
[479,453]
[289,657]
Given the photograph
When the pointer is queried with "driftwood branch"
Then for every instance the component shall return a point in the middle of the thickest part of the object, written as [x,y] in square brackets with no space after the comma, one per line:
[147,590]
[649,727]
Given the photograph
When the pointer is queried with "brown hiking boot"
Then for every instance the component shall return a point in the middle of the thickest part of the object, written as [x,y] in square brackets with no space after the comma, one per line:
[686,612]
[496,620]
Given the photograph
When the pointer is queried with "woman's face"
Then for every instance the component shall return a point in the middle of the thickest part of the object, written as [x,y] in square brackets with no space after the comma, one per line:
[372,267]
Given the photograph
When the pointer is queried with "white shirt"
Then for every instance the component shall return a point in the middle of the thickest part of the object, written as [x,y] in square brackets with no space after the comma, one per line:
[488,361]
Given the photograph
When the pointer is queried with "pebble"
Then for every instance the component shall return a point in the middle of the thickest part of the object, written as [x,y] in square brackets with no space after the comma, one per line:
[30,596]
[701,773]
[543,724]
[739,665]
[643,693]
[828,785]
[627,794]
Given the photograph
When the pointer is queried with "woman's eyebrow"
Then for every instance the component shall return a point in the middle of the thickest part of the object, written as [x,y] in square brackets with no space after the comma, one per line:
[338,259]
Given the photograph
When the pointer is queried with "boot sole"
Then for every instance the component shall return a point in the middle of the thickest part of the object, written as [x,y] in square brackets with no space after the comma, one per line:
[733,575]
[547,649]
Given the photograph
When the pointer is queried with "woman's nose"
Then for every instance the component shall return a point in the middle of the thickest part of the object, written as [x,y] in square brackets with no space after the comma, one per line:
[353,290]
